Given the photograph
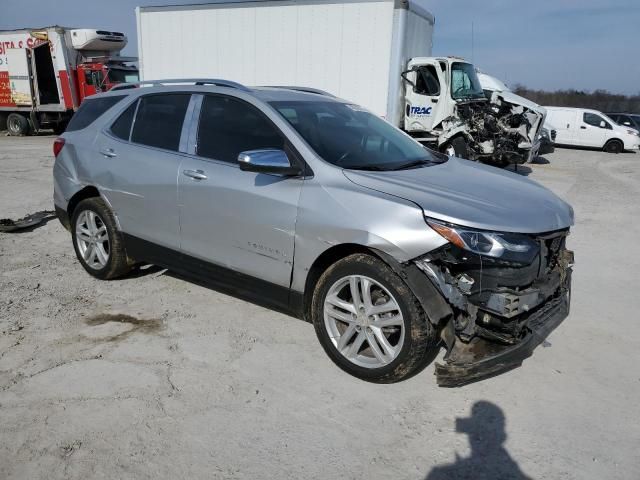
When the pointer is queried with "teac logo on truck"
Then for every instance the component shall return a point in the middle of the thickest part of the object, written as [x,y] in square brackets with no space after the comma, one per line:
[420,111]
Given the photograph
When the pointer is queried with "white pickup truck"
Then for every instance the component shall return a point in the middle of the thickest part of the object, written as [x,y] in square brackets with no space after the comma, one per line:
[375,53]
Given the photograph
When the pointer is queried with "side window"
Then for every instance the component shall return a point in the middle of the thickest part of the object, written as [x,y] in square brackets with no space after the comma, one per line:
[427,82]
[595,120]
[229,126]
[159,120]
[90,110]
[121,128]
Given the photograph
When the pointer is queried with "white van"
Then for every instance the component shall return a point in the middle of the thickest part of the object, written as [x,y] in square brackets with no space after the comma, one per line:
[581,127]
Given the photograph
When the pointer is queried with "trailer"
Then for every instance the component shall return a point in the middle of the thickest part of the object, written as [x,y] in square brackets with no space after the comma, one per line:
[45,73]
[375,53]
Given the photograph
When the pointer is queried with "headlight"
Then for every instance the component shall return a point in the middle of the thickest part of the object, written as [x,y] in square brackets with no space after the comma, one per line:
[633,132]
[506,246]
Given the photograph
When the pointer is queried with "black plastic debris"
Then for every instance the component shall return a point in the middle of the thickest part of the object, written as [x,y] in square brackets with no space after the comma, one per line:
[31,220]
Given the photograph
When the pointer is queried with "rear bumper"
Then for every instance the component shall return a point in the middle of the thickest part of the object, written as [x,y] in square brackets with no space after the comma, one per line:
[480,358]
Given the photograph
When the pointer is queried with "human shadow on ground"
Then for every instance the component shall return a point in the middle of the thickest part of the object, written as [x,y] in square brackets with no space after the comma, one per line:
[489,458]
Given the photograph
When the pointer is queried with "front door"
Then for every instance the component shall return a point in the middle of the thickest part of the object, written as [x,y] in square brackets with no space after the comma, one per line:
[138,167]
[592,131]
[240,220]
[423,98]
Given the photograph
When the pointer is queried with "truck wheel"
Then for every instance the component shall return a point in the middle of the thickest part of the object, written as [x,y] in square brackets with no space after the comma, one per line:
[59,128]
[613,146]
[18,125]
[457,148]
[369,322]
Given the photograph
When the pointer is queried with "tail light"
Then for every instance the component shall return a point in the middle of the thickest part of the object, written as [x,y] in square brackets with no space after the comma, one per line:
[58,143]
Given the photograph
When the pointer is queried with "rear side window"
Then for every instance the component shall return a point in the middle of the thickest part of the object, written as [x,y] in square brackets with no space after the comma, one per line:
[229,126]
[159,120]
[90,110]
[121,128]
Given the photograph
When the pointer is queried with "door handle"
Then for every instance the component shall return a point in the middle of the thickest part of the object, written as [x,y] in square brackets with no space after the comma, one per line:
[583,127]
[195,174]
[434,100]
[108,152]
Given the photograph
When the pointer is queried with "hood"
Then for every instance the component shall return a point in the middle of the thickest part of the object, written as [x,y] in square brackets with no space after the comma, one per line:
[473,195]
[511,97]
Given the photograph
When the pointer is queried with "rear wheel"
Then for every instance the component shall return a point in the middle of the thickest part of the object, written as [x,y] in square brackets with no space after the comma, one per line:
[613,146]
[96,240]
[370,323]
[457,148]
[18,125]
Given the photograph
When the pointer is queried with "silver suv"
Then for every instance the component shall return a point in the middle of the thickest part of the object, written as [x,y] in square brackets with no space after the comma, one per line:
[316,207]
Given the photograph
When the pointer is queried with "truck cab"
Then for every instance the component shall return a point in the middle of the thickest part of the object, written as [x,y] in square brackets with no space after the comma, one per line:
[435,86]
[445,104]
[96,77]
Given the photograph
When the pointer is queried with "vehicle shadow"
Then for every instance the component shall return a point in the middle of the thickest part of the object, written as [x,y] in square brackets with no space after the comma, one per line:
[489,458]
[539,160]
[523,170]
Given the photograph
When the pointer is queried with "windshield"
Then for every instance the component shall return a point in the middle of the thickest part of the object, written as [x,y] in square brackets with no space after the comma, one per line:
[350,137]
[117,75]
[464,82]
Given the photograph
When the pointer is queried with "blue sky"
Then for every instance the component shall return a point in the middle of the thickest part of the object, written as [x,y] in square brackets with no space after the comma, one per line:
[549,44]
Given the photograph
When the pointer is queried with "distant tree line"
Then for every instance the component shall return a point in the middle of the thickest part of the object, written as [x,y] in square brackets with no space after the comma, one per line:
[597,100]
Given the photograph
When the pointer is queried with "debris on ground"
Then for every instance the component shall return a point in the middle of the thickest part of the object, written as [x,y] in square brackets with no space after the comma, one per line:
[32,220]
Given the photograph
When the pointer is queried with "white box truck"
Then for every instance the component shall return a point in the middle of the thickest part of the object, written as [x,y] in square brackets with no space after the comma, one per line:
[46,72]
[375,53]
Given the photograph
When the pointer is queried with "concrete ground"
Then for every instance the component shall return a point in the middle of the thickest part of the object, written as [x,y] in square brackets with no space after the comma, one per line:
[155,377]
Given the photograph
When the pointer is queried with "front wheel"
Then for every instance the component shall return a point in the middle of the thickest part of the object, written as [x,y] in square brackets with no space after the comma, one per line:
[457,148]
[614,146]
[370,323]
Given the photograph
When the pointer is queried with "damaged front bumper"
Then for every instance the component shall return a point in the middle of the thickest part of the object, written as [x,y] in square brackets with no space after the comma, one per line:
[481,358]
[500,312]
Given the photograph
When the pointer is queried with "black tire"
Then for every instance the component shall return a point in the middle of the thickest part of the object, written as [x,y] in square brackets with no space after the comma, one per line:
[117,264]
[420,345]
[18,125]
[459,146]
[614,146]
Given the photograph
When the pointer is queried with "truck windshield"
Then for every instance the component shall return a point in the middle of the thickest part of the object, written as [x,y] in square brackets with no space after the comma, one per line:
[464,82]
[348,136]
[117,75]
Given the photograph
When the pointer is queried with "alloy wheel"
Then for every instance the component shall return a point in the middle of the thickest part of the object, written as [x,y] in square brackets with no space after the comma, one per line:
[364,321]
[92,239]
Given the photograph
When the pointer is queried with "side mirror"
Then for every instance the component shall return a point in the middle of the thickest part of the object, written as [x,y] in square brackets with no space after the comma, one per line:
[268,161]
[603,124]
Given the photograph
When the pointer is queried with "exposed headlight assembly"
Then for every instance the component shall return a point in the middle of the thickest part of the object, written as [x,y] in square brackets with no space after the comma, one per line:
[506,246]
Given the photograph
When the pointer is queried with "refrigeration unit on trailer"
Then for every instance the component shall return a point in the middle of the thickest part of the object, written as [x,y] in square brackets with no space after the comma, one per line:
[45,73]
[375,53]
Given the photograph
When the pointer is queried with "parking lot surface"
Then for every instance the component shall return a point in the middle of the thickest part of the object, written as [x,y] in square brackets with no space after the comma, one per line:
[153,376]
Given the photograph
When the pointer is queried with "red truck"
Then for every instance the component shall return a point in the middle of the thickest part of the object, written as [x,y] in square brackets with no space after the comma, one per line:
[45,73]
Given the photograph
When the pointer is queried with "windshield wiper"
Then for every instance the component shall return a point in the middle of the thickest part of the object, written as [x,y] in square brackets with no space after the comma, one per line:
[416,164]
[372,168]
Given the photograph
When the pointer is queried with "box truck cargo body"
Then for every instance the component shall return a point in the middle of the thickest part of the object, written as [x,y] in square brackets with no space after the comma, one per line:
[374,53]
[356,50]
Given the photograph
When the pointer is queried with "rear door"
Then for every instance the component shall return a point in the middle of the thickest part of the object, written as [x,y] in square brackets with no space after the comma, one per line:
[243,221]
[18,62]
[138,158]
[564,122]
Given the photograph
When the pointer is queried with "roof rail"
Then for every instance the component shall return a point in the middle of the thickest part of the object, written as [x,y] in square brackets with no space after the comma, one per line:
[196,81]
[303,89]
